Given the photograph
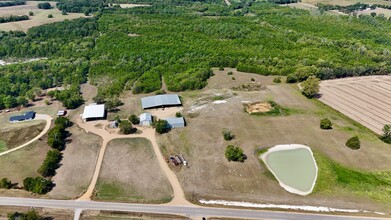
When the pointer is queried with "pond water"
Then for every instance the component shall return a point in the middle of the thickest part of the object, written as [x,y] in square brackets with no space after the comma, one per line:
[294,167]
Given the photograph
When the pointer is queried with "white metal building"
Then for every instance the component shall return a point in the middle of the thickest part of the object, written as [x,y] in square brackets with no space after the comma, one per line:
[145,119]
[94,111]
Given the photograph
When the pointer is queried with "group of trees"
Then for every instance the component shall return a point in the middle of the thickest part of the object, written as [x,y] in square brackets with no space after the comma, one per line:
[38,185]
[13,18]
[161,126]
[29,215]
[12,3]
[44,5]
[71,98]
[81,6]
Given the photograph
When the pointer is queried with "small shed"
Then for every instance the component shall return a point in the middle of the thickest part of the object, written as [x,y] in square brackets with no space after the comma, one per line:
[25,117]
[145,119]
[176,122]
[94,112]
[61,113]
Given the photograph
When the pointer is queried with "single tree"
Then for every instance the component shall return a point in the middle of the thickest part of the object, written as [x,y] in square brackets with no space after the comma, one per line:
[31,13]
[233,153]
[125,127]
[50,16]
[310,87]
[5,183]
[227,135]
[134,119]
[353,143]
[325,124]
[178,114]
[162,126]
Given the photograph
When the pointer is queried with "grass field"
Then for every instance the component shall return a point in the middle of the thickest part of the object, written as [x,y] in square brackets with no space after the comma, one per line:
[251,181]
[346,2]
[131,173]
[16,134]
[58,214]
[40,16]
[92,215]
[78,164]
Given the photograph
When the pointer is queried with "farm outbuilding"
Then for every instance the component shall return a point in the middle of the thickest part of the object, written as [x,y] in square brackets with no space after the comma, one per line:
[25,117]
[160,101]
[94,112]
[145,119]
[176,122]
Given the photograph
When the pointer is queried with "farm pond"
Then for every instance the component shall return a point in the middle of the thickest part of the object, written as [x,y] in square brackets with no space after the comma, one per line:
[294,167]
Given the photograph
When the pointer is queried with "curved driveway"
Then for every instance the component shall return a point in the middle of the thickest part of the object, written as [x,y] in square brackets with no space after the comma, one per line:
[46,118]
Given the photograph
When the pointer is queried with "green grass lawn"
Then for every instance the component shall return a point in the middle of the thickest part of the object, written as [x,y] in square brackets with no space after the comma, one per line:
[334,178]
[3,146]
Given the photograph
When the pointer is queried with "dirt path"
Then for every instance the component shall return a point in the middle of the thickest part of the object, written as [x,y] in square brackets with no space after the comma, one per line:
[97,127]
[46,118]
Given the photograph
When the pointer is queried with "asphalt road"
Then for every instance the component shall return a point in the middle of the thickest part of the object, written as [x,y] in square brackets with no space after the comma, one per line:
[194,212]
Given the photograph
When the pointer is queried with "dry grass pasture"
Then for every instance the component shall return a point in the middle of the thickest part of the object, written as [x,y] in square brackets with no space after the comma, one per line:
[367,100]
[58,214]
[130,172]
[378,11]
[346,2]
[16,134]
[211,176]
[40,16]
[77,165]
[107,215]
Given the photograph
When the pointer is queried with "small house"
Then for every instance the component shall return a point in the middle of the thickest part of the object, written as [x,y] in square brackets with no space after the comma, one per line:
[25,117]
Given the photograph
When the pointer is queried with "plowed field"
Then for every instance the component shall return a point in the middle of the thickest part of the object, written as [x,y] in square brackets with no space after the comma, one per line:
[366,100]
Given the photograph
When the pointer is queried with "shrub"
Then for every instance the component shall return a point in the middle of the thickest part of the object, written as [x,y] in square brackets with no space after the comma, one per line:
[178,114]
[5,183]
[50,16]
[134,119]
[252,79]
[125,127]
[353,143]
[46,102]
[325,124]
[277,80]
[233,153]
[31,13]
[233,78]
[37,185]
[160,92]
[30,215]
[227,135]
[291,78]
[230,73]
[386,137]
[221,68]
[161,126]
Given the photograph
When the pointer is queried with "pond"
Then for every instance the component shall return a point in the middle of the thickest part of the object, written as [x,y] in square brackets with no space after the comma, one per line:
[294,167]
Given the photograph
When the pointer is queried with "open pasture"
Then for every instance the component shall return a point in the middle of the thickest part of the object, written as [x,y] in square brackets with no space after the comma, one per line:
[367,100]
[40,16]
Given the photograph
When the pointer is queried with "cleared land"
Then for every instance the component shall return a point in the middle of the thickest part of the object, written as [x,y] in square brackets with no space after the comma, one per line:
[40,16]
[16,134]
[367,100]
[211,176]
[78,164]
[93,215]
[346,2]
[130,172]
[378,11]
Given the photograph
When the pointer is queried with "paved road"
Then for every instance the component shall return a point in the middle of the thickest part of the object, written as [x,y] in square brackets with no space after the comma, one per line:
[46,118]
[195,212]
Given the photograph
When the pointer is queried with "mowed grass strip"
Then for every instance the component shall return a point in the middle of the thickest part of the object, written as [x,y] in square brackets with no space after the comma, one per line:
[131,173]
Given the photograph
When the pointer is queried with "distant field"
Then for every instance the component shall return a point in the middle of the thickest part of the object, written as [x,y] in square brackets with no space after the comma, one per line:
[346,2]
[365,99]
[40,16]
[378,11]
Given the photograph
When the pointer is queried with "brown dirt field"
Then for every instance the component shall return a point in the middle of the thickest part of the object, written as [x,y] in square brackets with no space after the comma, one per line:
[211,176]
[21,164]
[130,172]
[257,107]
[367,100]
[40,16]
[78,164]
[19,133]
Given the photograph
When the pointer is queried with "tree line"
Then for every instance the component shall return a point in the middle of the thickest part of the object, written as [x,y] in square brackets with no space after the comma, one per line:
[13,18]
[12,3]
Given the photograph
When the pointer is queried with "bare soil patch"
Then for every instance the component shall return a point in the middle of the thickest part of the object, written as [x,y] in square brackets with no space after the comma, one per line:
[77,165]
[40,16]
[211,176]
[257,107]
[130,172]
[16,134]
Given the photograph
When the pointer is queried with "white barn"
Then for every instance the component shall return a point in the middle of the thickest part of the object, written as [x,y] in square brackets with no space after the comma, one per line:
[146,119]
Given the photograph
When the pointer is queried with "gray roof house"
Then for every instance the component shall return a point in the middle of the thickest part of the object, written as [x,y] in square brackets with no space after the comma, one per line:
[160,101]
[26,116]
[176,122]
[145,119]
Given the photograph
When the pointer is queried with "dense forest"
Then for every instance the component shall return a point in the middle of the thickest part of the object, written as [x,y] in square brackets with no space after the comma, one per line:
[179,41]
